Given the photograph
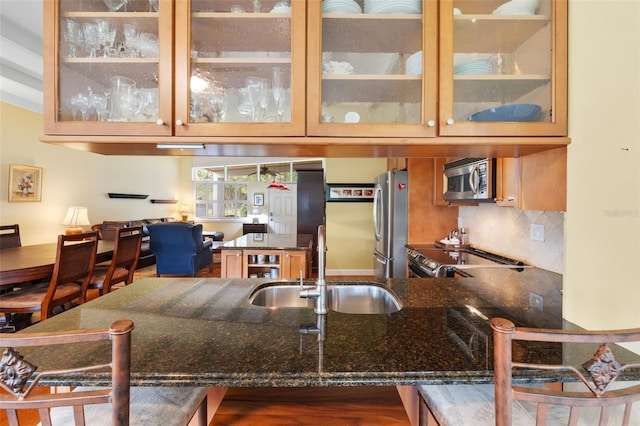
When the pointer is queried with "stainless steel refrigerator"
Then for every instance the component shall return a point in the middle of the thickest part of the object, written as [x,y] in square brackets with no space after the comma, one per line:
[390,215]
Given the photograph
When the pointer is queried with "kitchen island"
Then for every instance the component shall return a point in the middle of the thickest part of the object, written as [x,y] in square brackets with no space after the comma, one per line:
[204,332]
[258,255]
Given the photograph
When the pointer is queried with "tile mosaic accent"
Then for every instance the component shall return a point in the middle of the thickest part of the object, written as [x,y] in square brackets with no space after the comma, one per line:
[505,231]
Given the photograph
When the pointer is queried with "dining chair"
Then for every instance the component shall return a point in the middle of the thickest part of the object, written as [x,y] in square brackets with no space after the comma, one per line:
[10,236]
[122,266]
[119,404]
[72,270]
[597,395]
[590,396]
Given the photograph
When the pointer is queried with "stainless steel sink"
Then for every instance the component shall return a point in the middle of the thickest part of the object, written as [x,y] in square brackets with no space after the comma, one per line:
[348,298]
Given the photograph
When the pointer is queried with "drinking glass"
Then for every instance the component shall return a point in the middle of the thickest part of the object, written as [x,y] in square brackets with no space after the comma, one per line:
[82,103]
[72,34]
[153,5]
[217,101]
[277,74]
[100,103]
[245,104]
[255,88]
[265,95]
[91,40]
[130,40]
[281,105]
[149,103]
[106,37]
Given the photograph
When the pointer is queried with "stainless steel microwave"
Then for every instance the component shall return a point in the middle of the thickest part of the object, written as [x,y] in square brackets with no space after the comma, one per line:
[470,179]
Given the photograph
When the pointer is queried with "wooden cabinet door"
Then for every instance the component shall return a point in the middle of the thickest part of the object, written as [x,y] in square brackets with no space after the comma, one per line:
[225,63]
[372,74]
[102,88]
[293,263]
[232,265]
[492,63]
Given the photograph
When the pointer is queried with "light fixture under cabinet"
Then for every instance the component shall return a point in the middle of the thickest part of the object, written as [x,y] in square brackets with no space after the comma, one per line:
[180,146]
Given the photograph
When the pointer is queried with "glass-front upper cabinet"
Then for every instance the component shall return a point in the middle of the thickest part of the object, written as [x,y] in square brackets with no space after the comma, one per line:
[372,67]
[112,67]
[503,68]
[240,67]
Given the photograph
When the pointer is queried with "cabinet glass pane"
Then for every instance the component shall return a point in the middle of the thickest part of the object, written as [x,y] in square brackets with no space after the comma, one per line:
[502,61]
[372,61]
[108,60]
[240,61]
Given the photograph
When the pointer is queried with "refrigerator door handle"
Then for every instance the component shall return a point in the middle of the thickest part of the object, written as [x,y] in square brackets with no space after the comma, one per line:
[377,223]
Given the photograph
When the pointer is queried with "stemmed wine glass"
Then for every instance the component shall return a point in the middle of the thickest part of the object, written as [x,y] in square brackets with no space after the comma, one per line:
[91,39]
[106,36]
[264,97]
[100,103]
[71,103]
[277,82]
[281,103]
[72,34]
[216,101]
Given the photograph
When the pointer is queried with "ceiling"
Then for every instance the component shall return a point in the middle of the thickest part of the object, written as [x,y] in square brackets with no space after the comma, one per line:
[21,53]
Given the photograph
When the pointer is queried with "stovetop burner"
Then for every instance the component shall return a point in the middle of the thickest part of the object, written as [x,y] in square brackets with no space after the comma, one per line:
[432,261]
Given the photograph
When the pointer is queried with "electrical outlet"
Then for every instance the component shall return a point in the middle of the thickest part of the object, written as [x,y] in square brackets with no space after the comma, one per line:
[536,301]
[536,232]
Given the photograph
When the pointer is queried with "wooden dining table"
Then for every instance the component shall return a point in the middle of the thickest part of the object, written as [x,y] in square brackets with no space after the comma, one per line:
[35,262]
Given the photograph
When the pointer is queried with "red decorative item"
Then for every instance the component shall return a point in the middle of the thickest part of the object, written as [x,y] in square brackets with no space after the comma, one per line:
[278,185]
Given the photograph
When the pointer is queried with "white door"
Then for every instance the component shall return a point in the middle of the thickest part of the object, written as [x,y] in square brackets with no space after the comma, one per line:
[283,210]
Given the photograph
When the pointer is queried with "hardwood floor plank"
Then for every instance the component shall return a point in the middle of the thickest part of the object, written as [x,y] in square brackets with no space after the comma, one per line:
[311,406]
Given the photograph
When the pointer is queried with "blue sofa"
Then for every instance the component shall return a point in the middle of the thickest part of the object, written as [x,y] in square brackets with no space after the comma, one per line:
[179,248]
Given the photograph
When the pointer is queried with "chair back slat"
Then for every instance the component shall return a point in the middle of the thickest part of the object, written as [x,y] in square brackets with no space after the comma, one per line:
[19,395]
[75,260]
[10,236]
[598,377]
[126,253]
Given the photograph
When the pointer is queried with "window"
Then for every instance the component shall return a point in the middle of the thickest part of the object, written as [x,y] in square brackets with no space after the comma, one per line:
[222,192]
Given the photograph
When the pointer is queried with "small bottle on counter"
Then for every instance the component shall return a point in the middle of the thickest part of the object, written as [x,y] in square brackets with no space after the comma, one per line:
[464,240]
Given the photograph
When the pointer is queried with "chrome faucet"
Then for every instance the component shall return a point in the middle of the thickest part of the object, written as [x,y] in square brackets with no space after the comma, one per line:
[319,292]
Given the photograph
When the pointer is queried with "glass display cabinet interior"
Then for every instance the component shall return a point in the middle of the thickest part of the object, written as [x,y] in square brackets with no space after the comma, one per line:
[500,67]
[108,59]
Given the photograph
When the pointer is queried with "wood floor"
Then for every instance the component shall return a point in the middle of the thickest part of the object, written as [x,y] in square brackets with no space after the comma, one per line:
[311,406]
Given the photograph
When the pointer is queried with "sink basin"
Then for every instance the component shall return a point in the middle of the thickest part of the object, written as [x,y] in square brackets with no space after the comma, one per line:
[348,298]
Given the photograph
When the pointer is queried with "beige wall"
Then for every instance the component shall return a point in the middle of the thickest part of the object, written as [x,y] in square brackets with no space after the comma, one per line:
[350,225]
[72,177]
[601,283]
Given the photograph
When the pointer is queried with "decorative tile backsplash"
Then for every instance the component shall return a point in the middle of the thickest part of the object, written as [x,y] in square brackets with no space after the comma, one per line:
[506,231]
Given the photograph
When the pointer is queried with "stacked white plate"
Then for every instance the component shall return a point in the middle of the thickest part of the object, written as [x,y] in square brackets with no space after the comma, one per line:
[517,7]
[392,6]
[473,67]
[413,65]
[340,6]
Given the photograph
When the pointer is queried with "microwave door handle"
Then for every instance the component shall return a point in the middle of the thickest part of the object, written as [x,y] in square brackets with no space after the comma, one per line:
[474,177]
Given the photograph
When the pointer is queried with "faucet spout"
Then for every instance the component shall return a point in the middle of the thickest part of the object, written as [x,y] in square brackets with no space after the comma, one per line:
[319,293]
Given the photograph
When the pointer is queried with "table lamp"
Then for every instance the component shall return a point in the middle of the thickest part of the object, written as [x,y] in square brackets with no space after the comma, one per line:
[184,212]
[76,218]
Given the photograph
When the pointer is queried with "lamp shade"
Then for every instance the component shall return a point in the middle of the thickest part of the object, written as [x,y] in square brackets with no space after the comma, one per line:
[76,218]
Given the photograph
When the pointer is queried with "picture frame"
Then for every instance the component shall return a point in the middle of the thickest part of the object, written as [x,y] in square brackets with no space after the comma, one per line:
[349,192]
[25,184]
[258,199]
[258,237]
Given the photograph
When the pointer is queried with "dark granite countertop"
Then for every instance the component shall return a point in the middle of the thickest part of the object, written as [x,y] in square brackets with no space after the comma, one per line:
[270,242]
[191,331]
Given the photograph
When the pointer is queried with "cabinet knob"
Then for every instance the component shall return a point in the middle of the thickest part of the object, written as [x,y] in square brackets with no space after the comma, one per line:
[450,121]
[179,123]
[160,122]
[431,123]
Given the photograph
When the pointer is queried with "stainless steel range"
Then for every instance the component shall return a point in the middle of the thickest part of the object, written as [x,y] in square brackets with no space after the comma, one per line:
[426,261]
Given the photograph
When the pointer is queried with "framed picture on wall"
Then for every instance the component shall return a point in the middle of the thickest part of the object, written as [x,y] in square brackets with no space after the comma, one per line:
[25,184]
[258,199]
[350,192]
